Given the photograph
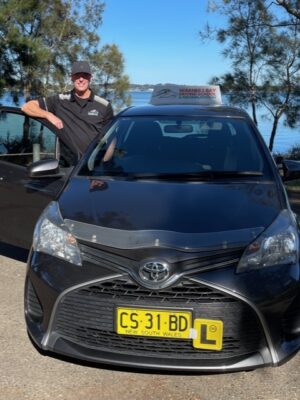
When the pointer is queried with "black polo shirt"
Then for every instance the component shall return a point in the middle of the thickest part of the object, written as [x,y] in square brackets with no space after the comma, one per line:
[83,119]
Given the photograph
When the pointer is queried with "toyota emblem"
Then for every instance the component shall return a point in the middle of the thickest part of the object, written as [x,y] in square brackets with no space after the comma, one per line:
[154,271]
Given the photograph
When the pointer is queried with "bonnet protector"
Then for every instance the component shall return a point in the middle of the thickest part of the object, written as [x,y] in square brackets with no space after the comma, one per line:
[130,239]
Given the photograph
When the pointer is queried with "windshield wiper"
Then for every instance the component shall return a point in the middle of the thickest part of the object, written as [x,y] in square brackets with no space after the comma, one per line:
[235,173]
[203,175]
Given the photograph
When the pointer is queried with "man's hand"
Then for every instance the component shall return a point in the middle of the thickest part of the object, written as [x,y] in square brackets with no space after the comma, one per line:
[33,109]
[55,120]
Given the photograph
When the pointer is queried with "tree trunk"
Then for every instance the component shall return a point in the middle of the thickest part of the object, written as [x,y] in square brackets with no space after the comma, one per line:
[105,85]
[253,105]
[273,133]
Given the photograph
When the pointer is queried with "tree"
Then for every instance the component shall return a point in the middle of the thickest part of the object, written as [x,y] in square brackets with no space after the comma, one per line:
[279,93]
[39,39]
[247,37]
[265,60]
[108,76]
[291,6]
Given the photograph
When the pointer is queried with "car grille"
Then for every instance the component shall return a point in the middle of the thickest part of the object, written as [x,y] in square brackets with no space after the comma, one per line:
[86,316]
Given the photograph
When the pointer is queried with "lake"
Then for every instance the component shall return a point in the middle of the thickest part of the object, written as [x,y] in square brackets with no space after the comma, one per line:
[284,140]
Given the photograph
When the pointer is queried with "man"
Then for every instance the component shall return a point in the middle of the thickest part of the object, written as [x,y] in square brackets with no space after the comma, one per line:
[80,113]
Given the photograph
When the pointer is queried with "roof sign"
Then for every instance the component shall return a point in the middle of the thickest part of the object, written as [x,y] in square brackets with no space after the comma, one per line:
[182,94]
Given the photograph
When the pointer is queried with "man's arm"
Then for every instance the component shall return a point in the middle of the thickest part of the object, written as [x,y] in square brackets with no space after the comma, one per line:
[33,109]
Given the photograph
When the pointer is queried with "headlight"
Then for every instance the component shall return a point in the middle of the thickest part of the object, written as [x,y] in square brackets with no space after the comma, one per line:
[51,236]
[277,245]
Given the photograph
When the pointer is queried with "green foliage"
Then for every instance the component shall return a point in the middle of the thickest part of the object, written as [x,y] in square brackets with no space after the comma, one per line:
[108,77]
[265,60]
[39,39]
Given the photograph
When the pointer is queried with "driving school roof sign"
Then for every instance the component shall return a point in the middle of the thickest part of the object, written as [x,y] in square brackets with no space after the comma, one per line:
[179,94]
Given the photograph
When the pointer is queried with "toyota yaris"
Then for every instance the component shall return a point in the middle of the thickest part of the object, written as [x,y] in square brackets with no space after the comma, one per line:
[172,245]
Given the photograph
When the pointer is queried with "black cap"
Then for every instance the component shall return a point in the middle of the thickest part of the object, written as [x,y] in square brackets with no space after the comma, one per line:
[81,66]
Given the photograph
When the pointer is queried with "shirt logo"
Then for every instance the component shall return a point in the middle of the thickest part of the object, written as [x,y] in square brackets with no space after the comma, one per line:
[93,112]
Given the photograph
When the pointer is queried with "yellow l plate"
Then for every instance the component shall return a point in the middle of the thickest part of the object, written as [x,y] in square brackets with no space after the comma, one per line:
[209,334]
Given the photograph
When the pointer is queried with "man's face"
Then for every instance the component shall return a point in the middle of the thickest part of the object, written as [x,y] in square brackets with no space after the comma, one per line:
[81,81]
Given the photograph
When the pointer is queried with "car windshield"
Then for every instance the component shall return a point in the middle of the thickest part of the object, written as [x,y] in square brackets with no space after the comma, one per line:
[165,147]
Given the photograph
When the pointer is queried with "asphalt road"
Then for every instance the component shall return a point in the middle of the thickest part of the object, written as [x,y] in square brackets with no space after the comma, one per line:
[26,374]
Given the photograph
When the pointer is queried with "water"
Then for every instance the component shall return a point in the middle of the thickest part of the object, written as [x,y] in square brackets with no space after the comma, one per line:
[284,140]
[285,137]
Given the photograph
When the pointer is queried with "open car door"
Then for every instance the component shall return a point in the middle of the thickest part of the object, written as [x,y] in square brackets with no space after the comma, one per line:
[24,140]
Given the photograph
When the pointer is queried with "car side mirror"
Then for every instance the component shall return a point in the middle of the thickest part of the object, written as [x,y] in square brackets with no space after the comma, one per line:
[290,169]
[48,168]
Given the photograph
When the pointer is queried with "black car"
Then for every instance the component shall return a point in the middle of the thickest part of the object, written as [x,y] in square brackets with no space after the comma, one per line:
[171,244]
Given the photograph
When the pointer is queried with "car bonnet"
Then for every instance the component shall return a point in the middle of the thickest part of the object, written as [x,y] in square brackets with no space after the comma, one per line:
[189,215]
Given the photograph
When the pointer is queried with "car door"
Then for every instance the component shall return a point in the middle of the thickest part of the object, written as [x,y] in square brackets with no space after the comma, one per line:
[24,140]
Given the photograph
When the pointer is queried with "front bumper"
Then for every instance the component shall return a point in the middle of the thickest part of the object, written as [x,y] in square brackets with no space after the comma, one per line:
[70,310]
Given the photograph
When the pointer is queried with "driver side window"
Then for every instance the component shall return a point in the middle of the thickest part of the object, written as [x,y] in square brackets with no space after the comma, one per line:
[24,140]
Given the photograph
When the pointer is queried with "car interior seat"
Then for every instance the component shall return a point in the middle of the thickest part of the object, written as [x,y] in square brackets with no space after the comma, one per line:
[219,142]
[144,139]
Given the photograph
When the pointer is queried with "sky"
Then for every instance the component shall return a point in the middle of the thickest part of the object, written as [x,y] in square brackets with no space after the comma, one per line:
[160,42]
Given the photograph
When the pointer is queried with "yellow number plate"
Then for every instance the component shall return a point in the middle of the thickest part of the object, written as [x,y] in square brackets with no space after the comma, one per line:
[155,323]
